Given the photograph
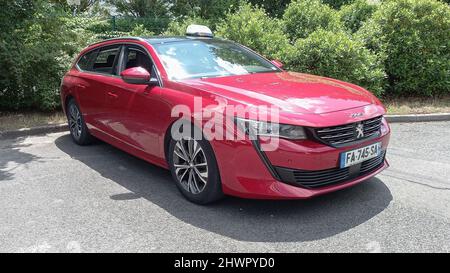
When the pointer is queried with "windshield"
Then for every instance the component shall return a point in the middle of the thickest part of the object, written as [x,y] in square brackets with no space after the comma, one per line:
[210,58]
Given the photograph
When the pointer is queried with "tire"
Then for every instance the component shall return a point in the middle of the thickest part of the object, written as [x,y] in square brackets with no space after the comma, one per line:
[201,190]
[78,129]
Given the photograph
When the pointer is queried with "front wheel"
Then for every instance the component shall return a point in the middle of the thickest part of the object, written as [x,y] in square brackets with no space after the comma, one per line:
[78,129]
[194,169]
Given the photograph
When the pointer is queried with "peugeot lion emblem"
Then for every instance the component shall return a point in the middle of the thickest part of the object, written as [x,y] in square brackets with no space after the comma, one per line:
[359,130]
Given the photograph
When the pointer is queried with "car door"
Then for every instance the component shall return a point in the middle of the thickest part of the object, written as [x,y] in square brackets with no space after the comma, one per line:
[97,69]
[136,110]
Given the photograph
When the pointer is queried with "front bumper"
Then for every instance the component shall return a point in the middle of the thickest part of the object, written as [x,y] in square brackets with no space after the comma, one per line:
[248,173]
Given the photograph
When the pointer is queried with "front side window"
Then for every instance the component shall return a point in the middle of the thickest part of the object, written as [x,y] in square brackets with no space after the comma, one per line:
[210,58]
[106,60]
[136,57]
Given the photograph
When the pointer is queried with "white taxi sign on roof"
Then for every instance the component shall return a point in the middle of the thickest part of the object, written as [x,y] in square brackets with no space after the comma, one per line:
[199,31]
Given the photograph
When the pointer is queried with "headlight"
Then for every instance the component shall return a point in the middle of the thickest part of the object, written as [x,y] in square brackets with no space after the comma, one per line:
[260,128]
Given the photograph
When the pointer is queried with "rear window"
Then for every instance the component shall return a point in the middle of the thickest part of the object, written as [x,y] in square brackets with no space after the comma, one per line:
[106,60]
[103,60]
[85,62]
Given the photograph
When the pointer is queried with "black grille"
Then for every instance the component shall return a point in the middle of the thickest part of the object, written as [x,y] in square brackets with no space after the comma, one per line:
[347,134]
[318,179]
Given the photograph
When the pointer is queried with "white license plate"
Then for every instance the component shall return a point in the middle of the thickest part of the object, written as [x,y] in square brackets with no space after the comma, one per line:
[359,155]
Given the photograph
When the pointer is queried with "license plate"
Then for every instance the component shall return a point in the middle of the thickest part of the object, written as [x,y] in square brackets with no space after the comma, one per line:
[359,155]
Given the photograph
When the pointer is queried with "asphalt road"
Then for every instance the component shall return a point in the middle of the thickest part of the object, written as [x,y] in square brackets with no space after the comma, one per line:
[58,197]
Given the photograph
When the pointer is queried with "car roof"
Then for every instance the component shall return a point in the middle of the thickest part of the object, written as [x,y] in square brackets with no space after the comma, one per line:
[168,39]
[155,40]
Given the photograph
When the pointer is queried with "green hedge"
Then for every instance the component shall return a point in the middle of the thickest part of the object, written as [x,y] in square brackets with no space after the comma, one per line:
[251,26]
[356,13]
[336,55]
[412,38]
[398,47]
[338,3]
[35,51]
[302,17]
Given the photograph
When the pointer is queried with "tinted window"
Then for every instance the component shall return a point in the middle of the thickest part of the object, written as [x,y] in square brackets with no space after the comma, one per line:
[136,57]
[106,60]
[210,58]
[85,62]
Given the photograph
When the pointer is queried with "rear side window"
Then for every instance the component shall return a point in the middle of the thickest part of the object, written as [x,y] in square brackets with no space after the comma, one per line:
[106,60]
[86,61]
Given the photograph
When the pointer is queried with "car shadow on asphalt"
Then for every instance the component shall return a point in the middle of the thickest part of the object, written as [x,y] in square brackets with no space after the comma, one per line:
[240,219]
[12,153]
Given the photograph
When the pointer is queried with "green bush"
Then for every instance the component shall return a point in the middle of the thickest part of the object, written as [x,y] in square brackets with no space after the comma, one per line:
[83,30]
[128,24]
[356,13]
[412,37]
[335,55]
[252,27]
[212,10]
[302,17]
[337,3]
[141,31]
[275,8]
[36,50]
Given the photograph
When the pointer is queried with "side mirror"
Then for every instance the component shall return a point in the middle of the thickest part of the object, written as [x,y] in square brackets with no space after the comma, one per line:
[277,63]
[153,81]
[136,75]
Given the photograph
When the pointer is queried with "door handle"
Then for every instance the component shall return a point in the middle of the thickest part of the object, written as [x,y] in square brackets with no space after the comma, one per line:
[113,95]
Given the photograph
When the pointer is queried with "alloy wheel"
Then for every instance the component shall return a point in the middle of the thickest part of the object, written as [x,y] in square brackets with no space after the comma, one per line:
[75,123]
[190,164]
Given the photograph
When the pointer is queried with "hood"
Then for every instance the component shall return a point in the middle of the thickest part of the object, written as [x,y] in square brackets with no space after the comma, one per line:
[291,92]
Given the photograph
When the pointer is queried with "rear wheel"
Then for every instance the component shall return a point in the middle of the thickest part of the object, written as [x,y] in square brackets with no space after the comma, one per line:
[194,169]
[77,126]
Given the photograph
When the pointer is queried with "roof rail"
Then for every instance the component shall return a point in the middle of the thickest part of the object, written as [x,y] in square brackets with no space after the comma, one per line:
[117,38]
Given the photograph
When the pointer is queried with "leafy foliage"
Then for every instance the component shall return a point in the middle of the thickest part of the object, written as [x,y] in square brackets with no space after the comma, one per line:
[336,55]
[34,54]
[127,24]
[84,5]
[303,17]
[141,31]
[352,40]
[412,37]
[356,13]
[205,9]
[252,27]
[275,8]
[337,3]
[141,8]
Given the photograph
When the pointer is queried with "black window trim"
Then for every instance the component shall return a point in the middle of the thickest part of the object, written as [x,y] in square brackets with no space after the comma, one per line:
[121,53]
[98,49]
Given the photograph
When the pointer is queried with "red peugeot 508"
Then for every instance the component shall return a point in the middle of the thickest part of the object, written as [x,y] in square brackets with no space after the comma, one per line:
[167,100]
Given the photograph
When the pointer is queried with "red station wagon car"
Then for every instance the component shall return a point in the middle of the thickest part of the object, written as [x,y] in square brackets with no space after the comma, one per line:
[330,134]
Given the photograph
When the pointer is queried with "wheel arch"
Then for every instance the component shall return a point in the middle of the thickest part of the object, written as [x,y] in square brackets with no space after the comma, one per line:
[67,99]
[167,136]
